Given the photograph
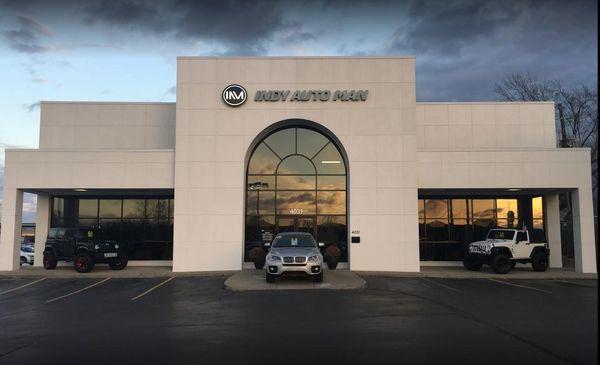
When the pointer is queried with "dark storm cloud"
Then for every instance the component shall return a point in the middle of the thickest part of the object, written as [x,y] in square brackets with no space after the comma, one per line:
[242,26]
[26,37]
[462,48]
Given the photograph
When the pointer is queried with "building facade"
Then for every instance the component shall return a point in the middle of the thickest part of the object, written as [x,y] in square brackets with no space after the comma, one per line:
[335,146]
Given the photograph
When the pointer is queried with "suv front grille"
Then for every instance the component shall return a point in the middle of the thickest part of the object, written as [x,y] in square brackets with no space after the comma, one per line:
[288,259]
[300,259]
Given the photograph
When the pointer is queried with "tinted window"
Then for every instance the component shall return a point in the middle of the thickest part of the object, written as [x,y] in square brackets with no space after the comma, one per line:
[501,235]
[294,241]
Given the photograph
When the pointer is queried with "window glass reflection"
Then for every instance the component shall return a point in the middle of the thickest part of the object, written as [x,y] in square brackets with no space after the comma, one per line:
[263,161]
[310,142]
[283,142]
[329,161]
[331,202]
[88,208]
[110,208]
[261,182]
[296,164]
[134,208]
[296,202]
[266,202]
[507,209]
[459,208]
[537,208]
[296,182]
[252,203]
[437,208]
[331,182]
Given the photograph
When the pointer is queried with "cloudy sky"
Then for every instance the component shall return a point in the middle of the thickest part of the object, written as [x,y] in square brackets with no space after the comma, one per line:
[124,50]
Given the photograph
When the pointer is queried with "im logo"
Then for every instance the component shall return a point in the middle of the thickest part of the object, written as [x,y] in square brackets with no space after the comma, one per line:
[234,95]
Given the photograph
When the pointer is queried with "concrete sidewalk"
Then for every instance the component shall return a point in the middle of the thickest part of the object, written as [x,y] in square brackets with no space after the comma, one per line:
[459,272]
[332,279]
[103,271]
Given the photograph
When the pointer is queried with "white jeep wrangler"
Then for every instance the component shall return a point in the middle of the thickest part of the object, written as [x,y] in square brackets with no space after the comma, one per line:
[503,248]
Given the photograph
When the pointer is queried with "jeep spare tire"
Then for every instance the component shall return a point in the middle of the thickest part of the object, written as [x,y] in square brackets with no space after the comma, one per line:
[539,261]
[83,262]
[119,263]
[501,263]
[49,260]
[472,263]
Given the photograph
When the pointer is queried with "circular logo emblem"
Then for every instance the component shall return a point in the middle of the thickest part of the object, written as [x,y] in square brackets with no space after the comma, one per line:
[234,95]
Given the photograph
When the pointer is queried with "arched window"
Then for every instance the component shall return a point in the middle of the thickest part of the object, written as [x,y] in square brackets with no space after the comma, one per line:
[296,181]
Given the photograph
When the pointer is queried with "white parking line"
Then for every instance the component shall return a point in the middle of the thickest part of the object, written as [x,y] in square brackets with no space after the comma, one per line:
[22,286]
[77,291]
[520,286]
[442,285]
[153,288]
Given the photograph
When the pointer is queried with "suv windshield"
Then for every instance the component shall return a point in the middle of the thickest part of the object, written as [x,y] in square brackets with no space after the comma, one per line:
[500,234]
[294,241]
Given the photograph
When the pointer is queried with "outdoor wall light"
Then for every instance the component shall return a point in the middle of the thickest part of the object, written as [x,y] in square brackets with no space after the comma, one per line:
[514,189]
[327,162]
[79,189]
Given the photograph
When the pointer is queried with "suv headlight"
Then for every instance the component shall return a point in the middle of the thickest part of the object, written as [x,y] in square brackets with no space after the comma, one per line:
[314,258]
[97,247]
[116,246]
[274,258]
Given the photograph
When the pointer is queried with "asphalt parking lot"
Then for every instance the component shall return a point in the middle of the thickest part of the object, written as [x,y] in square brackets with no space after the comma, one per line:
[393,320]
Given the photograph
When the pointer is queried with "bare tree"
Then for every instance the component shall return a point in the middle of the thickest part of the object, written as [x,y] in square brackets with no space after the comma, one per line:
[577,110]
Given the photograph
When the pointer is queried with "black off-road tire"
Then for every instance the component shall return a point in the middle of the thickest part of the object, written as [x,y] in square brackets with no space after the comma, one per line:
[539,261]
[83,262]
[318,278]
[49,261]
[501,263]
[269,278]
[119,263]
[472,263]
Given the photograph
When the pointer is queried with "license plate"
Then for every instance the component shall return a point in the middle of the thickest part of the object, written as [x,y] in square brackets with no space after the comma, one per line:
[110,254]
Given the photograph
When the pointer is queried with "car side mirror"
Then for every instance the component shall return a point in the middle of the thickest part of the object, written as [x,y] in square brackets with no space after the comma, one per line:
[321,244]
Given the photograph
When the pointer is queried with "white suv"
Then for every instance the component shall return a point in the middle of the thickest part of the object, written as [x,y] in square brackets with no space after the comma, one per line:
[294,253]
[503,248]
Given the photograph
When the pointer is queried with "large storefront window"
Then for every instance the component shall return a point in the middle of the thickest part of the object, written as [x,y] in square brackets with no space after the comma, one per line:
[143,226]
[447,226]
[296,181]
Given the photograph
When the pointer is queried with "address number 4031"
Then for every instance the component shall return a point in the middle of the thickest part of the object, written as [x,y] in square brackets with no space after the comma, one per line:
[296,211]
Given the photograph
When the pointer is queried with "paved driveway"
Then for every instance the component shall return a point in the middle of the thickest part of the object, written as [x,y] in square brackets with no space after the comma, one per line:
[394,320]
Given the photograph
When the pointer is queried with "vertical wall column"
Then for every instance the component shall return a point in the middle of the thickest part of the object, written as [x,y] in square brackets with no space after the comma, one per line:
[553,229]
[10,237]
[583,231]
[42,223]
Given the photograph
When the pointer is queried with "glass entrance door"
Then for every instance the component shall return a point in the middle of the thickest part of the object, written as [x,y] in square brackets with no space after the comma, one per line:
[297,224]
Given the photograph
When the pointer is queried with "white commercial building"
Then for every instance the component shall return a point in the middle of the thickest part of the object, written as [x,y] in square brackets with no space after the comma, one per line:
[336,146]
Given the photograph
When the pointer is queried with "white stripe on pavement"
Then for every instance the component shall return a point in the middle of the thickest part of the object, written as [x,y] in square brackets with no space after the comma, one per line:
[153,288]
[22,286]
[442,285]
[77,291]
[520,286]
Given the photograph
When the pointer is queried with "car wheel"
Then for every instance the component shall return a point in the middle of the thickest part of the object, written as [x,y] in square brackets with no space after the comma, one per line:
[49,261]
[83,262]
[22,261]
[472,263]
[539,262]
[270,278]
[119,263]
[501,264]
[318,278]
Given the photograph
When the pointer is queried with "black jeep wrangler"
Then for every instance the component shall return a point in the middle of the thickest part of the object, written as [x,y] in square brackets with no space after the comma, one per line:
[84,247]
